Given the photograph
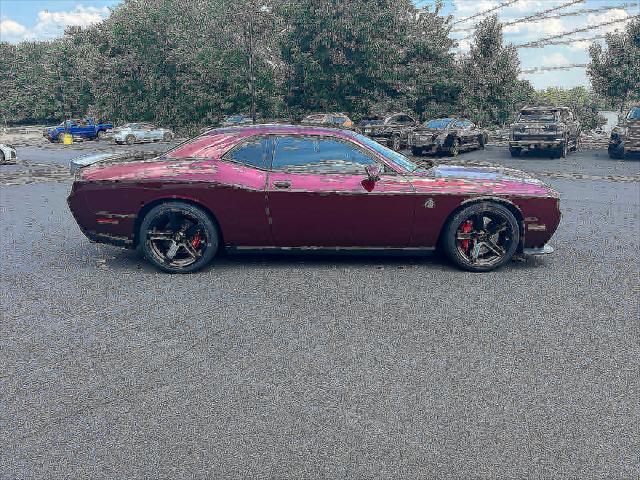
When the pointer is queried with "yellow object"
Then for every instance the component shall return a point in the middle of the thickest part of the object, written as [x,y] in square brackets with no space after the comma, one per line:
[67,139]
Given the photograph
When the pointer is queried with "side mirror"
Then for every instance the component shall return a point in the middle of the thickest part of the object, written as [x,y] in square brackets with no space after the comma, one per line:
[373,172]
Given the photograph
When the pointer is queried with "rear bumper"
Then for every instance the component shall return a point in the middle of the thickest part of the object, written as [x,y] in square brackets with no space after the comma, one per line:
[535,144]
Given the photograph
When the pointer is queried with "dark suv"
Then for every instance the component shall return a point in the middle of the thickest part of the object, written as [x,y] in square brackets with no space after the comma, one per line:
[393,131]
[553,129]
[626,136]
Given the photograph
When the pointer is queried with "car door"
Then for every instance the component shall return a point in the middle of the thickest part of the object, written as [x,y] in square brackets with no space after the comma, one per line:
[318,196]
[238,193]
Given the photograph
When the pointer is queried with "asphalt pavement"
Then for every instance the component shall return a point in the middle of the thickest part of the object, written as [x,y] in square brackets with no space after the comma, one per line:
[321,366]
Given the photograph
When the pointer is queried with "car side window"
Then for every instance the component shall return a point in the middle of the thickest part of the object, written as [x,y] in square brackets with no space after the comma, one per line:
[252,153]
[318,155]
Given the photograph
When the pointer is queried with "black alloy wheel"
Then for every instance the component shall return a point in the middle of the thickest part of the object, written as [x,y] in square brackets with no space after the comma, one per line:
[178,237]
[482,237]
[130,140]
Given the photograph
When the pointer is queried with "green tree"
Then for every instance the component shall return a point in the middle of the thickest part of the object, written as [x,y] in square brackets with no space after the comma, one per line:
[491,91]
[615,70]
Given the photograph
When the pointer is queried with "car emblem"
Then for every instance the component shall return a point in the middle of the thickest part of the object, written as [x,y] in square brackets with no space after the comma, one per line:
[429,203]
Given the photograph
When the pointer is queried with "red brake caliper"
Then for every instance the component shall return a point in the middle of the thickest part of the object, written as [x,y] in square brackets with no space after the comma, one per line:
[466,227]
[196,241]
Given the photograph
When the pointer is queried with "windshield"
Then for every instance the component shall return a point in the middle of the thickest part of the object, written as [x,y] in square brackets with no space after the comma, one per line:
[538,117]
[634,114]
[439,123]
[235,119]
[395,157]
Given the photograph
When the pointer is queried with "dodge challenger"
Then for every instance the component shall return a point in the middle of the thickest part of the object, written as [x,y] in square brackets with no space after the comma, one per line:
[297,188]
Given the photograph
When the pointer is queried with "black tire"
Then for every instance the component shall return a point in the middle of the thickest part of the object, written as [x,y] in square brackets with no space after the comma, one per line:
[167,137]
[484,251]
[563,150]
[515,151]
[417,151]
[616,151]
[454,149]
[168,235]
[576,144]
[130,140]
[481,142]
[60,137]
[2,159]
[101,134]
[396,143]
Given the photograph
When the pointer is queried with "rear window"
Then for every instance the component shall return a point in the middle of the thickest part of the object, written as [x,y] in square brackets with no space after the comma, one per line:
[538,116]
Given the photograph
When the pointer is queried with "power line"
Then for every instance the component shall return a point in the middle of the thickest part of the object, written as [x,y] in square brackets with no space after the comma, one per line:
[549,69]
[541,15]
[479,14]
[575,40]
[543,41]
[528,17]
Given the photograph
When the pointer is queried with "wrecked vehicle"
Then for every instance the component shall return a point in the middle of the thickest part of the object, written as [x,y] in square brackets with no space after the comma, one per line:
[85,160]
[239,119]
[393,131]
[553,129]
[625,137]
[85,128]
[7,153]
[337,120]
[293,188]
[447,135]
[131,133]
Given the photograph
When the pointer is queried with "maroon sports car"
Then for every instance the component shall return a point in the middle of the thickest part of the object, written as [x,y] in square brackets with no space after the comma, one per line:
[296,188]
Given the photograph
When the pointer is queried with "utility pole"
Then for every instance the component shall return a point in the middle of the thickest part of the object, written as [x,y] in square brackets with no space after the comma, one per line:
[252,79]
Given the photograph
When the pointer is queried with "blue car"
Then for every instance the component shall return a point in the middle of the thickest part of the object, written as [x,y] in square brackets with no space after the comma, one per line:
[78,128]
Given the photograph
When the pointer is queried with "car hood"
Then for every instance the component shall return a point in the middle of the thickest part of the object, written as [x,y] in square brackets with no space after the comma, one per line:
[483,180]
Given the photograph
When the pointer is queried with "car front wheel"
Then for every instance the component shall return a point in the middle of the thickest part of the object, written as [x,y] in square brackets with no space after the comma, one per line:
[396,143]
[178,237]
[167,137]
[482,237]
[454,149]
[130,140]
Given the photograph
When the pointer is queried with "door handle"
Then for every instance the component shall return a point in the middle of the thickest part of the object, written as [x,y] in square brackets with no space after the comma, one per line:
[282,184]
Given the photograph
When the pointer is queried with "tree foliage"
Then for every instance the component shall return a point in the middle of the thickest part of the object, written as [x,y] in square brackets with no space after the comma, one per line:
[615,70]
[491,91]
[183,64]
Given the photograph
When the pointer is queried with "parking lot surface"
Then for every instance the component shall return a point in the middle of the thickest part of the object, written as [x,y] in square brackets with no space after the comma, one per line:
[321,366]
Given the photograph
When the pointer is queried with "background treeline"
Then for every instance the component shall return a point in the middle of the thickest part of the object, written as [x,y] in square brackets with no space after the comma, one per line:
[187,64]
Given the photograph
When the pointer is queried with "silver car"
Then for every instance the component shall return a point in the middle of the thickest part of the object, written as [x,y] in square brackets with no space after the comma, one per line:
[7,153]
[131,133]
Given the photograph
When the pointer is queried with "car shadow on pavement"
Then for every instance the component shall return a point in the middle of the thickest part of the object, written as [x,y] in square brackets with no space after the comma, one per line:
[131,260]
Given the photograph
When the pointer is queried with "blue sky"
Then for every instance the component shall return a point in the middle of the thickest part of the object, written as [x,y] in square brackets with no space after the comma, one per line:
[46,19]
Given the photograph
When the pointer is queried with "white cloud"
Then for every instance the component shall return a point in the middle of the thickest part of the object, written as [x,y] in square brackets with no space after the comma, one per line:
[555,59]
[52,24]
[11,31]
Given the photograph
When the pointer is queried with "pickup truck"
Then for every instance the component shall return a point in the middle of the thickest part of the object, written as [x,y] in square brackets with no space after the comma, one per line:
[625,138]
[83,128]
[552,129]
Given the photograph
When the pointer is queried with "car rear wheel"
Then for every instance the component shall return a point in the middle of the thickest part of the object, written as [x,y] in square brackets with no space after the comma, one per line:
[417,151]
[515,152]
[130,140]
[2,159]
[177,237]
[454,149]
[101,134]
[167,137]
[616,151]
[482,237]
[60,137]
[481,142]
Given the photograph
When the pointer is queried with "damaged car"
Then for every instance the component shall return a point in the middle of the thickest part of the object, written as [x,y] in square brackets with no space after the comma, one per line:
[393,131]
[625,137]
[337,120]
[293,188]
[7,154]
[447,135]
[131,133]
[550,129]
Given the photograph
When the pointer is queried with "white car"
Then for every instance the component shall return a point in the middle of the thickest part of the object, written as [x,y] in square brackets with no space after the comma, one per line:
[131,133]
[7,153]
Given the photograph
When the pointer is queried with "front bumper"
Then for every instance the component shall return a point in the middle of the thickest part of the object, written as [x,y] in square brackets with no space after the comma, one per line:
[536,252]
